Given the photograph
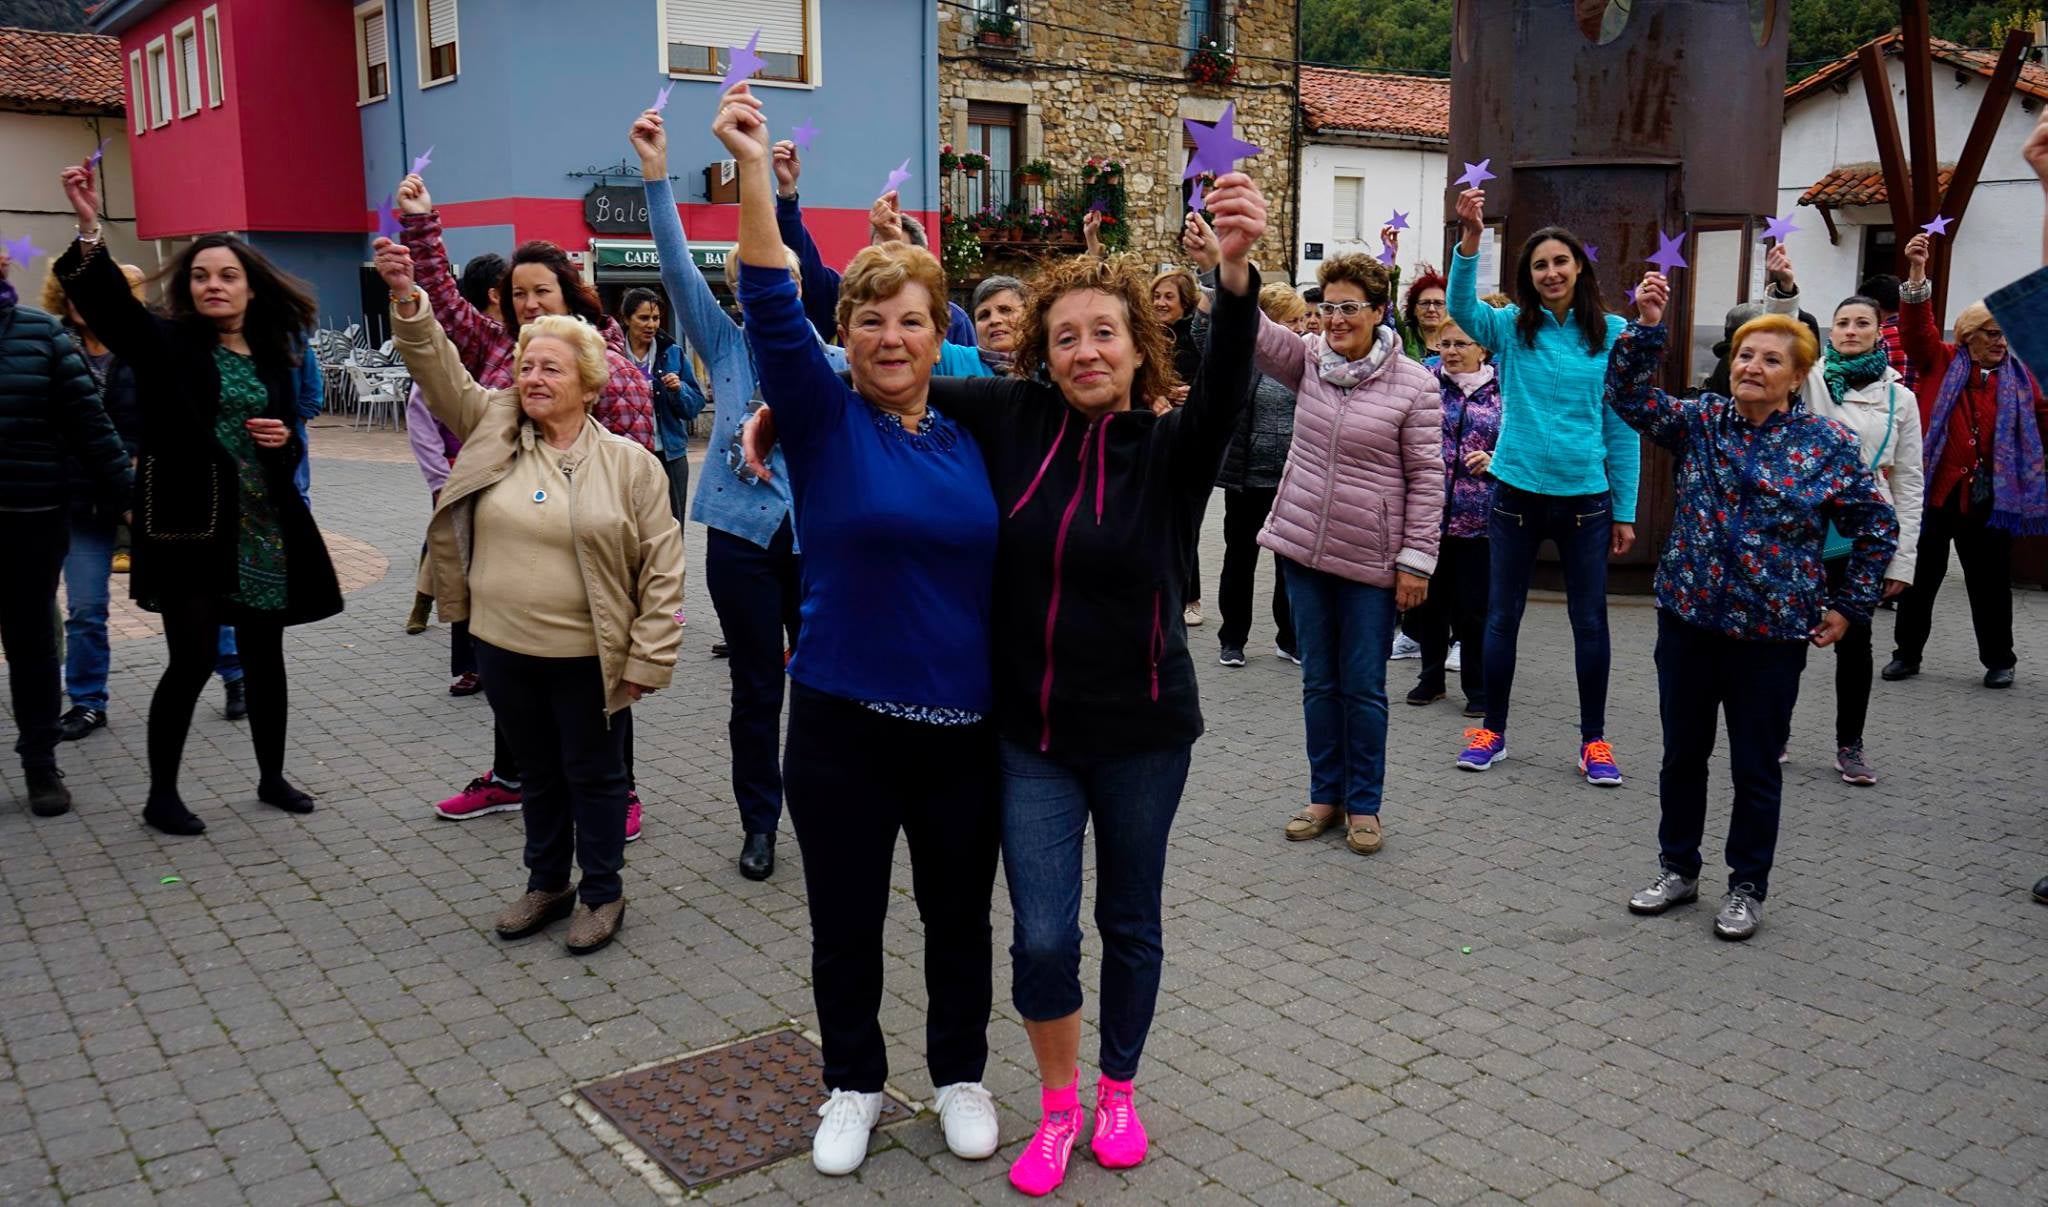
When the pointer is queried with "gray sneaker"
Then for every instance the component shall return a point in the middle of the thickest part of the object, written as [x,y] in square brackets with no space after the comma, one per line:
[1854,767]
[1667,890]
[1741,913]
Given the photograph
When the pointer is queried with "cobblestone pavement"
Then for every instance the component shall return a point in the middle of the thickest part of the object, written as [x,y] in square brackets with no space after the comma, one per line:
[314,1008]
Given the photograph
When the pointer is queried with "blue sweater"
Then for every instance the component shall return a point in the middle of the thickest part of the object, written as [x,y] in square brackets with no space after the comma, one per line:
[898,529]
[1556,435]
[752,511]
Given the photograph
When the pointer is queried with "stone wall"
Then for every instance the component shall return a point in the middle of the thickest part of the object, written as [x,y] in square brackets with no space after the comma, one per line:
[1109,78]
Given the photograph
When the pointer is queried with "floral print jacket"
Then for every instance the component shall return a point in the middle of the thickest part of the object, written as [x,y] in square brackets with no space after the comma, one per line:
[1753,504]
[1471,425]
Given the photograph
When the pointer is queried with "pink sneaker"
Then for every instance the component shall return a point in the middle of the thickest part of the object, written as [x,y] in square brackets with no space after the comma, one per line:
[485,794]
[1042,1166]
[1119,1134]
[632,816]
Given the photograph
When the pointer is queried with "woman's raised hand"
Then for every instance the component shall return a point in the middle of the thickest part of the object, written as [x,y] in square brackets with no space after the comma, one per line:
[394,263]
[1778,264]
[84,197]
[2036,149]
[413,197]
[1240,211]
[1198,240]
[1918,249]
[1651,298]
[1471,219]
[885,219]
[789,168]
[650,141]
[741,125]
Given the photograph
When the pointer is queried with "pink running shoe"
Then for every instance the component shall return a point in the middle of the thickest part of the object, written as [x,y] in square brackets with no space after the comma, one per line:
[632,816]
[485,794]
[1119,1134]
[1042,1166]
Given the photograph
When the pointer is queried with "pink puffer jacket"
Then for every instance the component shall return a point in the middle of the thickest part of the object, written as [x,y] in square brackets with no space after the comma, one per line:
[1363,491]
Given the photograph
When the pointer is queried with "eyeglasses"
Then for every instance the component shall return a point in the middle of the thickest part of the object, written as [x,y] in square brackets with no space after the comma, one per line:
[1454,345]
[1350,310]
[1429,304]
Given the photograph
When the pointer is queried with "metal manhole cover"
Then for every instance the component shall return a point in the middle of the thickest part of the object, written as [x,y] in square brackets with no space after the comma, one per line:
[723,1112]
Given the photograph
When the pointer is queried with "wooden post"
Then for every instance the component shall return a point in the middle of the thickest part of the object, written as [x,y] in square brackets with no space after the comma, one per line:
[1916,48]
[1884,124]
[1970,164]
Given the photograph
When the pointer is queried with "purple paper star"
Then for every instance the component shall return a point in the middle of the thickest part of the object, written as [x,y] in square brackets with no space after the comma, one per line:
[1386,255]
[1631,292]
[1476,174]
[803,134]
[1937,227]
[1668,256]
[99,152]
[1779,229]
[897,176]
[743,61]
[1195,196]
[387,222]
[1398,222]
[1099,206]
[661,98]
[420,161]
[1592,253]
[24,249]
[1217,147]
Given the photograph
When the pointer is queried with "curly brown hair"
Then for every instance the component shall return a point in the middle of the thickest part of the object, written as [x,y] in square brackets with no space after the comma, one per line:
[1361,270]
[1122,277]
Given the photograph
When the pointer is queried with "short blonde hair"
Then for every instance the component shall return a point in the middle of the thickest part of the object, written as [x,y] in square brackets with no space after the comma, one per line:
[57,302]
[1805,348]
[593,369]
[1281,303]
[732,269]
[882,271]
[1974,318]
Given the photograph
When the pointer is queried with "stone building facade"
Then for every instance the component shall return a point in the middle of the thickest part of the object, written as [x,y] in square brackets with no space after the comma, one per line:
[1061,81]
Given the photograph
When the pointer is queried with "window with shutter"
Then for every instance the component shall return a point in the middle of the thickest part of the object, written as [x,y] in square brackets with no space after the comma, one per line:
[699,34]
[186,38]
[159,85]
[373,53]
[1344,203]
[437,41]
[138,109]
[215,83]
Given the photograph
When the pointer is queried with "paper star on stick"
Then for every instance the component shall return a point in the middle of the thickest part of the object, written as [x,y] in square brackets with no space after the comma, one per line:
[661,98]
[1398,222]
[99,152]
[743,61]
[420,161]
[803,135]
[897,176]
[1217,147]
[1779,229]
[1386,255]
[1937,227]
[1592,253]
[1476,174]
[1668,256]
[24,249]
[387,221]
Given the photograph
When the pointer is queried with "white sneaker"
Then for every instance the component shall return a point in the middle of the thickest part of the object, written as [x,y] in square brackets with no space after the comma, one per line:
[1192,615]
[1404,647]
[1287,654]
[1456,660]
[968,1116]
[842,1140]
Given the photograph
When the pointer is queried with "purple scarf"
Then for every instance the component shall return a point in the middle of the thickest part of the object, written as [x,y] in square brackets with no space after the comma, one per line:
[2019,489]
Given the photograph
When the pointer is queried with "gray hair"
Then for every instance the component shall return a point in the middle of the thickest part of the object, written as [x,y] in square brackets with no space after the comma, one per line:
[913,232]
[991,286]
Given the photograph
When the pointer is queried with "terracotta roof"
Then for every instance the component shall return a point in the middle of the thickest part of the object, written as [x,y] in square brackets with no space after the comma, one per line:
[69,73]
[1858,184]
[1367,102]
[2033,79]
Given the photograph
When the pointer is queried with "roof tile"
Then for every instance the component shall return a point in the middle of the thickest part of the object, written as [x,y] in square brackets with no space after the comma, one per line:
[1368,102]
[1858,184]
[63,71]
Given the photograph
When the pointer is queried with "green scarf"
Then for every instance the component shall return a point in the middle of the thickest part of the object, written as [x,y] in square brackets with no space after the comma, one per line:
[1845,373]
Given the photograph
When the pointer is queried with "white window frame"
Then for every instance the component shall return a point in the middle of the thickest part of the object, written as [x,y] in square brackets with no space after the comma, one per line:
[157,56]
[216,82]
[425,56]
[186,91]
[139,87]
[1357,234]
[814,58]
[364,11]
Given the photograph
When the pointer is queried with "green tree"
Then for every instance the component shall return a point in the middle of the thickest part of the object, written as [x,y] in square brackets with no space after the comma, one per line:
[63,16]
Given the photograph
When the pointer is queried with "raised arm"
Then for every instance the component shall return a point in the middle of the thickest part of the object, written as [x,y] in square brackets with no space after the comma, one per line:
[1919,334]
[705,323]
[475,334]
[1493,328]
[2022,307]
[96,285]
[1223,388]
[1283,355]
[820,280]
[1632,365]
[452,394]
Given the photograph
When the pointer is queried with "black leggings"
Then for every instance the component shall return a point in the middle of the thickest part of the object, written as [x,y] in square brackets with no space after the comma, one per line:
[192,629]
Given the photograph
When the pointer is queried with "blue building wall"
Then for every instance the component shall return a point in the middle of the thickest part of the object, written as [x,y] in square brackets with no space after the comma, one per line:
[332,264]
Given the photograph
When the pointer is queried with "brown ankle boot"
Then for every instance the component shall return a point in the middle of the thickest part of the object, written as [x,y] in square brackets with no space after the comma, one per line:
[533,911]
[594,929]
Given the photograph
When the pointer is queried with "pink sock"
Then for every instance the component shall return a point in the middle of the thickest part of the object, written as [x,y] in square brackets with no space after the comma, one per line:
[1120,1140]
[1042,1166]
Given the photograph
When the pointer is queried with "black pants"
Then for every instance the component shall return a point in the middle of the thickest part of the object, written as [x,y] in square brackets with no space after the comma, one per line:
[1701,674]
[461,649]
[192,631]
[1986,555]
[36,542]
[678,486]
[756,593]
[1455,610]
[1852,669]
[1244,513]
[855,778]
[574,791]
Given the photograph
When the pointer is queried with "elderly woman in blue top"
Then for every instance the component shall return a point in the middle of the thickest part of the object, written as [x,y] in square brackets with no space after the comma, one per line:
[1741,591]
[1565,467]
[888,725]
[750,553]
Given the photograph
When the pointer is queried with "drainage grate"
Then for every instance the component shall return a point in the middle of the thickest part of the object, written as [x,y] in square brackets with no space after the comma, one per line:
[724,1111]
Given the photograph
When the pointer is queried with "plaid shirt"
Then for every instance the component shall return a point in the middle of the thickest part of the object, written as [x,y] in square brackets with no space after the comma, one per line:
[624,407]
[1895,351]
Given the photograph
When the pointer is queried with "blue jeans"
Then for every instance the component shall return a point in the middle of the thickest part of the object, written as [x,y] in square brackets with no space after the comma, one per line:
[87,570]
[1047,804]
[229,666]
[1582,526]
[1344,628]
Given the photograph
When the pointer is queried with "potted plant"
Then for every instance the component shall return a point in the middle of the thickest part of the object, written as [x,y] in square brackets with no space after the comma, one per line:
[973,163]
[997,28]
[1112,173]
[1211,64]
[1091,169]
[948,161]
[1036,171]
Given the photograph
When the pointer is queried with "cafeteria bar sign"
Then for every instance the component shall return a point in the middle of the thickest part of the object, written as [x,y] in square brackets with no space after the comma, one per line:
[639,256]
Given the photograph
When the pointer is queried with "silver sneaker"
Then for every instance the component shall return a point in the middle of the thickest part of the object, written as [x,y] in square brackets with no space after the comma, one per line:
[1854,767]
[1740,914]
[1667,890]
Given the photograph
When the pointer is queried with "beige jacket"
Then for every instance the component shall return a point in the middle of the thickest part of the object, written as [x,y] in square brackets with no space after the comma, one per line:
[628,544]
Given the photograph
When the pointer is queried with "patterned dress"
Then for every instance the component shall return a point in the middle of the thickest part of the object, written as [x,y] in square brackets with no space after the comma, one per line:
[260,544]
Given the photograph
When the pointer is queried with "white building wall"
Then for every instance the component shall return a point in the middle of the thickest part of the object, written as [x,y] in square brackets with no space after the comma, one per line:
[1998,242]
[1408,178]
[36,147]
